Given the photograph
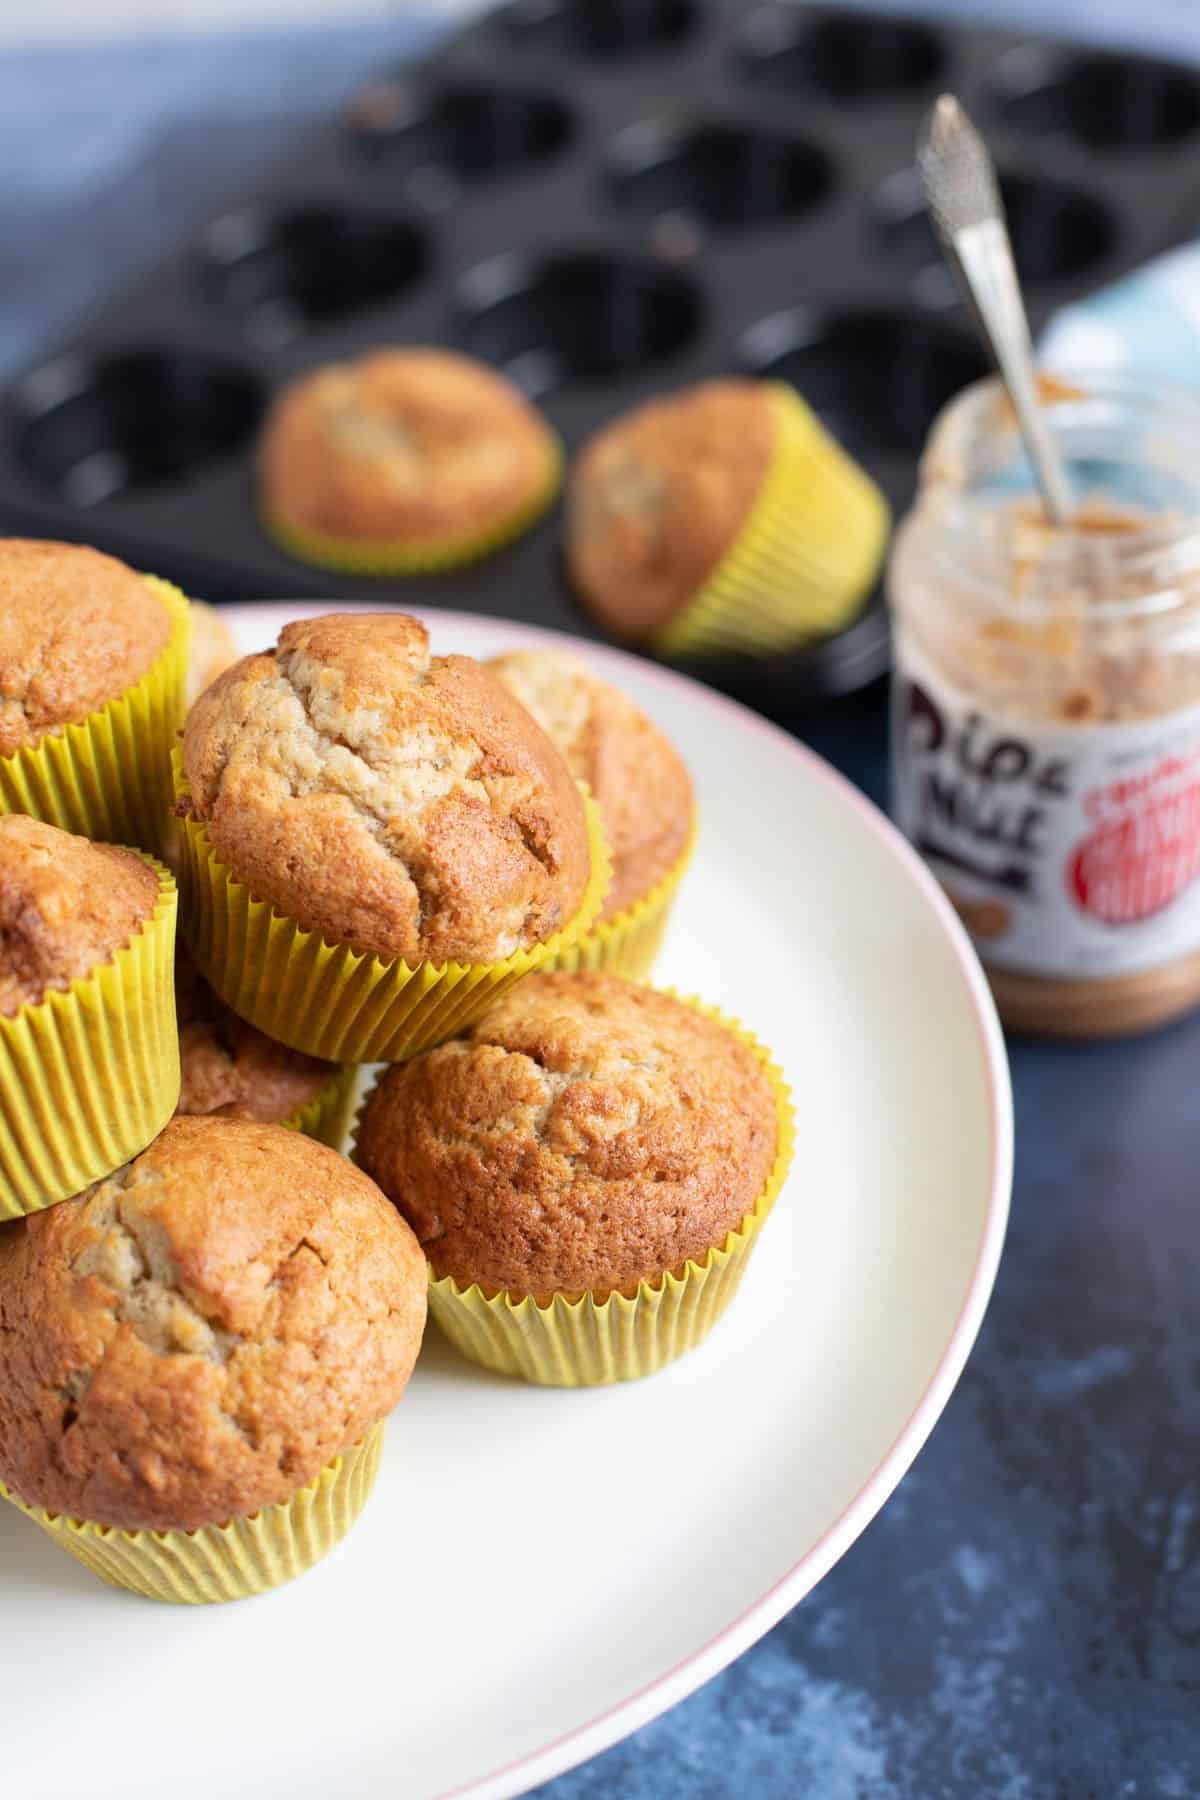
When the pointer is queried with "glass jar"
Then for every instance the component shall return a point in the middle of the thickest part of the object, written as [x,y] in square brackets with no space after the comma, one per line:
[1046,700]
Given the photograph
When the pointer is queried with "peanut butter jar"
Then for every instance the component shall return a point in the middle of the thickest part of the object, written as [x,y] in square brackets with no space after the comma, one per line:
[1046,701]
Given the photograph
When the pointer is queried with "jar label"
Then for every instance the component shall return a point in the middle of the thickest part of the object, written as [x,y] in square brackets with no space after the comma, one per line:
[1069,851]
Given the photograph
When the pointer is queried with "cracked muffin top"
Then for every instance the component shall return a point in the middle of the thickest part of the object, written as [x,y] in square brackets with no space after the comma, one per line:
[400,802]
[656,497]
[403,445]
[586,1135]
[76,630]
[230,1068]
[637,778]
[199,1335]
[66,905]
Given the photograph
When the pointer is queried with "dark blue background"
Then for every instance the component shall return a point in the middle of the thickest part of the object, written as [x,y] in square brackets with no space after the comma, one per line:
[1023,1620]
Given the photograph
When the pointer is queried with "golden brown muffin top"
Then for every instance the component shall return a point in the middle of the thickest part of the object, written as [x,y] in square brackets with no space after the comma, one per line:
[403,445]
[230,1067]
[77,628]
[587,1134]
[213,648]
[66,905]
[401,802]
[199,1335]
[637,778]
[656,497]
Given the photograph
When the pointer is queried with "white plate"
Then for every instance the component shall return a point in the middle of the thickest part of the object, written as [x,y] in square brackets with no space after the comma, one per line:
[540,1572]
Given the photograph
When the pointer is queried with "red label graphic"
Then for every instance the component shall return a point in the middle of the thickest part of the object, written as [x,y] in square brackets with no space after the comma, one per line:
[1139,861]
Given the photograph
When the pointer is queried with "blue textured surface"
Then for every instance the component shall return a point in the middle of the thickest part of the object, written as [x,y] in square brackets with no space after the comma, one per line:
[1023,1620]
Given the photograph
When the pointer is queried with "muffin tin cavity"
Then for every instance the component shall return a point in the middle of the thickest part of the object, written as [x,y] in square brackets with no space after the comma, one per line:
[600,28]
[464,129]
[720,175]
[876,378]
[1058,233]
[1104,102]
[587,317]
[844,56]
[281,273]
[95,429]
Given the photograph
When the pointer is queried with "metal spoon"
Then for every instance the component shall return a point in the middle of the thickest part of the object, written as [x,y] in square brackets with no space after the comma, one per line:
[964,199]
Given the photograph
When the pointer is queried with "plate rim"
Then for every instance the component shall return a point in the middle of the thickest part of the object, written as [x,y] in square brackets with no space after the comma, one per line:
[691,1672]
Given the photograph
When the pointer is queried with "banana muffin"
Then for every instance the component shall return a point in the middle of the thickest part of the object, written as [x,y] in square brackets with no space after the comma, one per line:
[227,1068]
[723,518]
[404,458]
[213,648]
[402,803]
[77,629]
[586,1136]
[199,1337]
[65,906]
[636,775]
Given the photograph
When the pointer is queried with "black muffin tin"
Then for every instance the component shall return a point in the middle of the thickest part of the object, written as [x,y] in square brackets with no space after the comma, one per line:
[606,198]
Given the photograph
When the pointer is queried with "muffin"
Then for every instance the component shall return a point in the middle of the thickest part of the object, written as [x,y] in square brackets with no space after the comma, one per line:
[231,1071]
[89,1057]
[641,787]
[586,1170]
[375,840]
[403,460]
[196,1357]
[722,519]
[213,648]
[93,660]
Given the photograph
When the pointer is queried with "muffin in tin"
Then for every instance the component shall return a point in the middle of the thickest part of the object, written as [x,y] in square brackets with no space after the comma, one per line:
[89,1059]
[722,519]
[641,786]
[196,1357]
[404,459]
[373,838]
[213,648]
[93,661]
[230,1070]
[586,1170]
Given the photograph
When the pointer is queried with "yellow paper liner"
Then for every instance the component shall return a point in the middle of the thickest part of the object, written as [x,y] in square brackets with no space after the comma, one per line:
[628,944]
[225,1562]
[327,1115]
[805,559]
[89,1075]
[109,776]
[592,1343]
[329,999]
[414,556]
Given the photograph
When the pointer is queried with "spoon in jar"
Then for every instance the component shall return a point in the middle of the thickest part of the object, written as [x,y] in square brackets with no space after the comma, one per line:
[964,199]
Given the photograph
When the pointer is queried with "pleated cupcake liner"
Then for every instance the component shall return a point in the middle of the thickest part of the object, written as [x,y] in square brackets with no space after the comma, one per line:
[413,556]
[628,944]
[331,1000]
[587,1342]
[90,1075]
[326,1117]
[248,1555]
[109,776]
[805,559]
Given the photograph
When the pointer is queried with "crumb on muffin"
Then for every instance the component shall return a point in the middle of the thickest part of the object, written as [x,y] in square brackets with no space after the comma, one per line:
[588,1134]
[636,775]
[66,905]
[197,1337]
[656,497]
[400,802]
[77,629]
[403,445]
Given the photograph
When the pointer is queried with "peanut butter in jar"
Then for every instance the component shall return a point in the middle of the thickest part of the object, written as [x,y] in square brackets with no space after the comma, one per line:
[1046,701]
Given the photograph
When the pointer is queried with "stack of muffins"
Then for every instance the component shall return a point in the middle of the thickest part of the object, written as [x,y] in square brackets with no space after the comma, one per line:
[383,856]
